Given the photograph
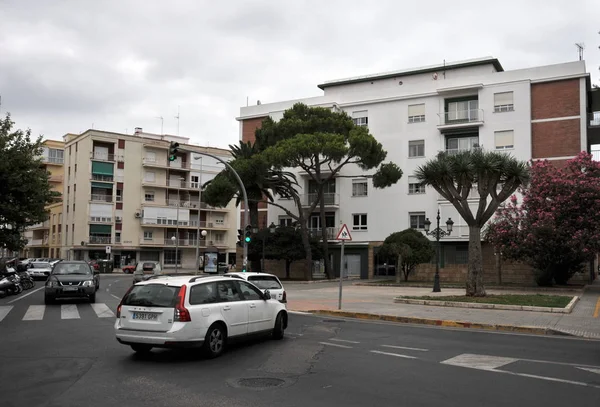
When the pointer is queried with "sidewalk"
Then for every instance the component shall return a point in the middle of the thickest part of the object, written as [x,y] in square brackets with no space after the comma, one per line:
[377,303]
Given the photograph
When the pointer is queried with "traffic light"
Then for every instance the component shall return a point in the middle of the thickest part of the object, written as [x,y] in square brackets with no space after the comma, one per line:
[248,237]
[240,241]
[173,147]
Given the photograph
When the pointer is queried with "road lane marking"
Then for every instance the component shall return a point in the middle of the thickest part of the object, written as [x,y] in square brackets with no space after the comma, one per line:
[4,310]
[342,340]
[35,313]
[393,354]
[299,313]
[405,348]
[550,379]
[597,310]
[26,295]
[589,369]
[336,345]
[116,297]
[102,311]
[481,362]
[69,311]
[561,363]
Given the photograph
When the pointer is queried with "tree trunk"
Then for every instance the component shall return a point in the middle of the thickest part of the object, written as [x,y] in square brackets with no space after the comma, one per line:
[475,275]
[254,261]
[499,267]
[308,262]
[324,233]
[398,269]
[287,269]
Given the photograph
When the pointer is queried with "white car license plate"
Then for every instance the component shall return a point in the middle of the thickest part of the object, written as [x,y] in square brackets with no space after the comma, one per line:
[146,316]
[69,288]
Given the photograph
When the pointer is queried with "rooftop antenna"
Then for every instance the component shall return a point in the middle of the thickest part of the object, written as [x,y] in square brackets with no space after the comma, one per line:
[246,101]
[177,117]
[580,47]
[162,122]
[444,72]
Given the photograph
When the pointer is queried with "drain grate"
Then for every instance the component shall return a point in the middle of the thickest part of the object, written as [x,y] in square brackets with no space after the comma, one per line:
[261,382]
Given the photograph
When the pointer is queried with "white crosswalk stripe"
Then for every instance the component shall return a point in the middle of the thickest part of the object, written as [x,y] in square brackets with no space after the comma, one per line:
[4,310]
[69,311]
[34,313]
[102,311]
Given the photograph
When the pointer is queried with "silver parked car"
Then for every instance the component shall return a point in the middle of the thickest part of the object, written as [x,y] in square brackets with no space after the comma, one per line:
[146,269]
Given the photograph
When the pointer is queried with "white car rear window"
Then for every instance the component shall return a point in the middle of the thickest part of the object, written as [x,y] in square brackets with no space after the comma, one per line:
[152,295]
[265,282]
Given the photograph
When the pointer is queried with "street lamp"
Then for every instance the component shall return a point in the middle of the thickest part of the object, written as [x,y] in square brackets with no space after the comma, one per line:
[272,228]
[438,233]
[175,242]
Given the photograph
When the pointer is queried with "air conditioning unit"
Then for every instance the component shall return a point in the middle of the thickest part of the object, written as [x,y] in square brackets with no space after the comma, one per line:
[210,243]
[138,214]
[210,225]
[119,219]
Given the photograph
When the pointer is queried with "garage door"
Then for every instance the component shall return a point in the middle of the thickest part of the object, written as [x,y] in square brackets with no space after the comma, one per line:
[149,256]
[352,265]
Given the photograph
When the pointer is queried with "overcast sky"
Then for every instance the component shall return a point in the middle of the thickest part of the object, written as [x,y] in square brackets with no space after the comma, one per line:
[68,65]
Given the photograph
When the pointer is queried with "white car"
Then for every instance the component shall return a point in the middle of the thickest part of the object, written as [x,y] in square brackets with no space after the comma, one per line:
[264,281]
[40,270]
[196,311]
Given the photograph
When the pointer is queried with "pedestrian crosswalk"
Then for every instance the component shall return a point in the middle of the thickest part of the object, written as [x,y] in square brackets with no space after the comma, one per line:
[67,311]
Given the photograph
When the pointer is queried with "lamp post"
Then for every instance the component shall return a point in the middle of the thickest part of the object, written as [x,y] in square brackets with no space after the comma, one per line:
[203,234]
[199,213]
[438,233]
[175,241]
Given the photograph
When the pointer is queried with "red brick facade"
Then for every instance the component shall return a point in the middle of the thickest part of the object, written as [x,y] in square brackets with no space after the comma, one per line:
[555,99]
[249,126]
[560,138]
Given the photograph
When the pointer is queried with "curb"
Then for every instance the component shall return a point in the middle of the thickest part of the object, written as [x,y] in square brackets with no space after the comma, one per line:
[457,304]
[443,323]
[498,288]
[319,281]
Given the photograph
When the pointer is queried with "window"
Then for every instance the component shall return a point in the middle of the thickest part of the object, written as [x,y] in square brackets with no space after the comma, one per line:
[117,237]
[147,235]
[360,118]
[172,257]
[55,155]
[121,165]
[228,291]
[68,189]
[462,110]
[503,102]
[285,221]
[414,186]
[219,237]
[359,221]
[119,195]
[265,282]
[76,146]
[121,143]
[250,293]
[416,148]
[417,220]
[195,182]
[359,187]
[203,294]
[75,168]
[149,196]
[73,206]
[504,139]
[455,145]
[416,113]
[149,176]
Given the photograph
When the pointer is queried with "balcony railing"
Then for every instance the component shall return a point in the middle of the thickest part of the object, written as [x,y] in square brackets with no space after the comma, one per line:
[182,184]
[53,160]
[99,240]
[165,163]
[101,156]
[37,242]
[56,178]
[594,119]
[41,225]
[119,198]
[331,233]
[461,117]
[102,198]
[185,223]
[100,219]
[330,199]
[170,243]
[102,177]
[595,155]
[452,151]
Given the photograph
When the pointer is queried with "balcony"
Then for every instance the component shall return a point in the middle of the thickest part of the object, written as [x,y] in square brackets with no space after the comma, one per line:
[100,240]
[101,198]
[164,163]
[452,151]
[331,233]
[56,178]
[183,223]
[460,119]
[168,243]
[103,178]
[53,160]
[37,242]
[100,219]
[331,200]
[102,156]
[41,225]
[594,119]
[179,184]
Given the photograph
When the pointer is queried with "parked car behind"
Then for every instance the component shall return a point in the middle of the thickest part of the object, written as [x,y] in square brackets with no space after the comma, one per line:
[40,270]
[264,281]
[145,270]
[130,268]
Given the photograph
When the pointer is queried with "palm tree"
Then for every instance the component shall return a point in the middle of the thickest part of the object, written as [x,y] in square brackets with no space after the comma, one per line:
[261,182]
[496,177]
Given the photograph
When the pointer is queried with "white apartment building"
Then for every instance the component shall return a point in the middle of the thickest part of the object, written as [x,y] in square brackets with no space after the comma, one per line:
[123,195]
[537,113]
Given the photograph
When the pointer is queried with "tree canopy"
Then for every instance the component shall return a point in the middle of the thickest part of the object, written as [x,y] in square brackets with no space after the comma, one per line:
[556,228]
[24,187]
[410,247]
[491,176]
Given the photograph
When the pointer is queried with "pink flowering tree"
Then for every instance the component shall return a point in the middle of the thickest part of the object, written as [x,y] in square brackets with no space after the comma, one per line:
[556,228]
[494,176]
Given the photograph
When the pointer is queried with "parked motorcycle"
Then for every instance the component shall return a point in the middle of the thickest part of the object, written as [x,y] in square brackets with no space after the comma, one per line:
[10,284]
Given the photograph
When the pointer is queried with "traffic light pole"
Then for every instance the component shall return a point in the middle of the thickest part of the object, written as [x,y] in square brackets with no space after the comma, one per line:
[245,196]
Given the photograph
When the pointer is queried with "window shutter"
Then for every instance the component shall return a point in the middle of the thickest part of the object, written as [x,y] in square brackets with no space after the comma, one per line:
[361,113]
[504,139]
[504,98]
[416,110]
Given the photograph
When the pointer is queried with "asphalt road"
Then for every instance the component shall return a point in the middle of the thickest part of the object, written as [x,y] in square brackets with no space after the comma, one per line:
[67,356]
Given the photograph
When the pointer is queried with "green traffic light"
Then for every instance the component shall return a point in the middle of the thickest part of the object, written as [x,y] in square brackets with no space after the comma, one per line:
[172,158]
[247,239]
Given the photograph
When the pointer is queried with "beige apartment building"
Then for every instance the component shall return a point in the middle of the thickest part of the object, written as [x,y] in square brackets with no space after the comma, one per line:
[126,201]
[44,239]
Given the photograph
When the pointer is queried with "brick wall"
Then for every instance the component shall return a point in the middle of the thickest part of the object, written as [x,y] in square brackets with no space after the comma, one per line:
[249,126]
[561,138]
[555,99]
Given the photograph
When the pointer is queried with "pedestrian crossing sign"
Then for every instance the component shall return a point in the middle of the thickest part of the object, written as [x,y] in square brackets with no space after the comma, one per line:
[344,233]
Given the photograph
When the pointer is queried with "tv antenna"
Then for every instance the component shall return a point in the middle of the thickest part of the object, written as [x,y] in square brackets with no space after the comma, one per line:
[580,47]
[177,117]
[162,122]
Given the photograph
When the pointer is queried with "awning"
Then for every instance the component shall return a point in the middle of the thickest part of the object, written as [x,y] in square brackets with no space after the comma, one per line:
[100,229]
[101,185]
[102,168]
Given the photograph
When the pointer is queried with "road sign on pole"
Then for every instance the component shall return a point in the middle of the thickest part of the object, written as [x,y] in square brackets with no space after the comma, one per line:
[107,249]
[344,233]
